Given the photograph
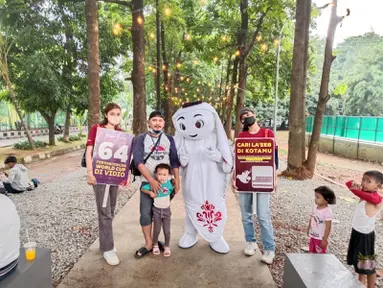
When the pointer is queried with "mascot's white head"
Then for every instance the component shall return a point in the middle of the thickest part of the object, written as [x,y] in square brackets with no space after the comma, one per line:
[198,120]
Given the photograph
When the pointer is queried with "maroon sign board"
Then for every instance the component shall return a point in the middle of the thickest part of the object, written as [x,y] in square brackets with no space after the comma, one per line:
[255,164]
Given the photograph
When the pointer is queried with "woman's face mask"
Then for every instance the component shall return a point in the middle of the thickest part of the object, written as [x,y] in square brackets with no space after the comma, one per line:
[114,117]
[249,121]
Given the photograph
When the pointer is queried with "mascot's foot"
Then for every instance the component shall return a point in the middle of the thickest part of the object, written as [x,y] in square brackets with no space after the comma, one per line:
[188,240]
[220,246]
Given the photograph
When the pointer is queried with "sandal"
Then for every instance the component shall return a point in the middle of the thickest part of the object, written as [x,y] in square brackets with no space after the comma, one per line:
[141,252]
[156,250]
[167,252]
[161,245]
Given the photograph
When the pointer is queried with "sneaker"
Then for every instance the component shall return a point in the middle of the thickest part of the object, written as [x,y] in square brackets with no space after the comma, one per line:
[250,248]
[111,258]
[268,257]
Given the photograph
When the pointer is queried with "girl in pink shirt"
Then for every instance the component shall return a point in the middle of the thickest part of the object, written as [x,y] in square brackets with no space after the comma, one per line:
[320,221]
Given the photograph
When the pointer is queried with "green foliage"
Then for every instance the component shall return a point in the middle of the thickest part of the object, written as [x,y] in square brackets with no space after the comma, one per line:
[50,38]
[356,76]
[72,138]
[25,145]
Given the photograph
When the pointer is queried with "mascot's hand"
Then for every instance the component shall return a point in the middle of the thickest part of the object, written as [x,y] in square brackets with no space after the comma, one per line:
[213,154]
[183,157]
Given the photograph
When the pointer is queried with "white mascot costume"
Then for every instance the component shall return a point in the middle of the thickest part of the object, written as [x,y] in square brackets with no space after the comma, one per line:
[206,160]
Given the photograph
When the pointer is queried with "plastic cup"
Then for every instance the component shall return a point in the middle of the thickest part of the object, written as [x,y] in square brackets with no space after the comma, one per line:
[30,251]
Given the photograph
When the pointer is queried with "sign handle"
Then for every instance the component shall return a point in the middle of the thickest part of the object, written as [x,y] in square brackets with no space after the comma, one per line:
[106,195]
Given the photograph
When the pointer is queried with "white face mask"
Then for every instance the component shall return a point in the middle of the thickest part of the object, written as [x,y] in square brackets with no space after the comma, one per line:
[114,120]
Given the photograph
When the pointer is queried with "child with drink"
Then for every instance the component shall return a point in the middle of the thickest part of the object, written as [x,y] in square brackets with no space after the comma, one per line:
[361,249]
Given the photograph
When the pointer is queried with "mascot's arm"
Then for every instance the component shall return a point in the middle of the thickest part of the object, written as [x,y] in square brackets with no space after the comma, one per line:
[213,154]
[226,167]
[183,156]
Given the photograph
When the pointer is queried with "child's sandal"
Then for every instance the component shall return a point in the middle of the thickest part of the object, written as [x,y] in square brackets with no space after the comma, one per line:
[167,252]
[156,250]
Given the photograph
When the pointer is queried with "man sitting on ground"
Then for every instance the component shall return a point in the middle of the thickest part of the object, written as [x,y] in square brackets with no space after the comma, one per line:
[17,181]
[9,237]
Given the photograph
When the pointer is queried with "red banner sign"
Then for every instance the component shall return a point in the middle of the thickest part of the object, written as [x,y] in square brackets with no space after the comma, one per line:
[255,164]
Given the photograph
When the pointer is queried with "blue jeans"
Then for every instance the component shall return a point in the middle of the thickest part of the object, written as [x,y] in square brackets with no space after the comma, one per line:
[263,215]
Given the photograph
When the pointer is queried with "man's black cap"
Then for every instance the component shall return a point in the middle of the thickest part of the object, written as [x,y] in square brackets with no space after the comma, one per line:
[156,114]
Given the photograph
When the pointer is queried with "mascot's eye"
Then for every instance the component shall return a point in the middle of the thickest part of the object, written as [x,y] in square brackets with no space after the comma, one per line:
[199,124]
[183,127]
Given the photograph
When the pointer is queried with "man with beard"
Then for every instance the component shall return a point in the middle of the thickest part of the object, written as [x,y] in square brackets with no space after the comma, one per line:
[150,149]
[251,129]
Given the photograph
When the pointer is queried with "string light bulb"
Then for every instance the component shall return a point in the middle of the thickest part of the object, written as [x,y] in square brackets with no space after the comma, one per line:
[215,59]
[140,20]
[237,53]
[195,62]
[276,42]
[152,36]
[163,67]
[167,11]
[224,38]
[198,90]
[187,37]
[179,65]
[259,38]
[116,29]
[263,47]
[182,78]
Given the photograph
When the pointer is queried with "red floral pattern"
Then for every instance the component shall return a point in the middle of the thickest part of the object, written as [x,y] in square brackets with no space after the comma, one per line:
[209,217]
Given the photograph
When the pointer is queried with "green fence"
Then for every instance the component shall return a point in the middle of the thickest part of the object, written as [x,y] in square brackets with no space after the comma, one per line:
[359,128]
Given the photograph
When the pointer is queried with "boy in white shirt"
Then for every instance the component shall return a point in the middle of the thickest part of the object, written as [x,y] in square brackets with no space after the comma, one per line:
[17,181]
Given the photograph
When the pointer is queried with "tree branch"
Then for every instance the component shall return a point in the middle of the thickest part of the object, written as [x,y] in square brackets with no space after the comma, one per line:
[259,26]
[324,6]
[119,2]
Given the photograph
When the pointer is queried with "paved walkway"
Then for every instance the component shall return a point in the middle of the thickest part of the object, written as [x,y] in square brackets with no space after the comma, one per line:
[195,267]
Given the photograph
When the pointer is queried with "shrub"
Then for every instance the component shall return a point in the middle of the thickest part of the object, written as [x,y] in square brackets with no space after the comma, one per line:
[26,146]
[74,138]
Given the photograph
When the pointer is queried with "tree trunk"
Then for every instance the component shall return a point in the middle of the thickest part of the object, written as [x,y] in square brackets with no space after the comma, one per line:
[323,93]
[94,101]
[51,126]
[296,150]
[18,110]
[242,62]
[230,101]
[169,111]
[168,103]
[226,90]
[158,56]
[138,73]
[240,92]
[67,125]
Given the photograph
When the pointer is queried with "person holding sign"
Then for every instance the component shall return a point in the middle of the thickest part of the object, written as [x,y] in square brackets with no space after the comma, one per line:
[112,117]
[251,129]
[150,149]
